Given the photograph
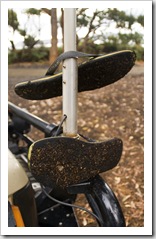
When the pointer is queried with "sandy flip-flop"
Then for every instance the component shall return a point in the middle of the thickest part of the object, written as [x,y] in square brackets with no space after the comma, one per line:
[98,72]
[65,161]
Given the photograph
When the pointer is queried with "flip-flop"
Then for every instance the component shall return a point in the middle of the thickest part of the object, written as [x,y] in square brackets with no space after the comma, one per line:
[65,161]
[96,73]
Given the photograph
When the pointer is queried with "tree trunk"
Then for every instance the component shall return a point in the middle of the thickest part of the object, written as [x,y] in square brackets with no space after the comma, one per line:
[12,45]
[53,50]
[84,44]
[62,26]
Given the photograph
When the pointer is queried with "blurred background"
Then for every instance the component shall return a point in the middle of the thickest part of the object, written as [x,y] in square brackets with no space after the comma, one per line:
[37,34]
[35,39]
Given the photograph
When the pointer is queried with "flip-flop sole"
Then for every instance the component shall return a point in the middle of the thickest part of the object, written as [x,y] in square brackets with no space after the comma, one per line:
[64,161]
[94,74]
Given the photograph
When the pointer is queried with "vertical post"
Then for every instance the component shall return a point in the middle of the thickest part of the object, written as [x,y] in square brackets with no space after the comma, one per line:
[70,78]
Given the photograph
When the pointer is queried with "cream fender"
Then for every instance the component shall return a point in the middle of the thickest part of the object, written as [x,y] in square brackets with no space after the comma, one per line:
[17,177]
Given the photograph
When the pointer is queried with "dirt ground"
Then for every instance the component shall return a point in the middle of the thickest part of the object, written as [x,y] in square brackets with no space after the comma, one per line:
[114,111]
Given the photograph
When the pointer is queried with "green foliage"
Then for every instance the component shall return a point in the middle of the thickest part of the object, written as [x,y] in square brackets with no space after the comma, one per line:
[29,55]
[120,17]
[12,57]
[82,20]
[35,55]
[109,47]
[33,11]
[139,52]
[22,32]
[140,20]
[130,39]
[42,53]
[12,19]
[90,48]
[95,26]
[30,42]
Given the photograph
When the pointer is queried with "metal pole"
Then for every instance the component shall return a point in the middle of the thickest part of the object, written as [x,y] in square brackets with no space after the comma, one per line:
[70,84]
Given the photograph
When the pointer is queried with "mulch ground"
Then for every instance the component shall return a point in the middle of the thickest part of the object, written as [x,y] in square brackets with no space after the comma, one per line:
[114,111]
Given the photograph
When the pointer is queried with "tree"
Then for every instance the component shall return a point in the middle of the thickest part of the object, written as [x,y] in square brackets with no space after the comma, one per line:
[62,26]
[91,23]
[30,40]
[53,18]
[53,49]
[96,25]
[14,24]
[104,19]
[140,20]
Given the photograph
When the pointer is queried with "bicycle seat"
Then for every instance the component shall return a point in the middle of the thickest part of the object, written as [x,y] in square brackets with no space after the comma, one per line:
[65,161]
[96,73]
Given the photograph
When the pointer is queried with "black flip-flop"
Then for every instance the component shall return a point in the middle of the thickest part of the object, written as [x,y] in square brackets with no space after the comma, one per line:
[98,72]
[65,161]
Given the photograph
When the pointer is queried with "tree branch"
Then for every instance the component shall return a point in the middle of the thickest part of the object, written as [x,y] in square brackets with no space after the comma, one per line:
[91,24]
[46,10]
[81,10]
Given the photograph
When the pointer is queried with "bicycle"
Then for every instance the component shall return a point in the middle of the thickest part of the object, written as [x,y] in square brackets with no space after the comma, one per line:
[59,167]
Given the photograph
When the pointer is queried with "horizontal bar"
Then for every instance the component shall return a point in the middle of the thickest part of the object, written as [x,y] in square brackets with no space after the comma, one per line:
[32,119]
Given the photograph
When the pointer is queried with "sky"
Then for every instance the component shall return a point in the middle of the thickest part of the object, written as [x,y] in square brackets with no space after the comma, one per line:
[44,21]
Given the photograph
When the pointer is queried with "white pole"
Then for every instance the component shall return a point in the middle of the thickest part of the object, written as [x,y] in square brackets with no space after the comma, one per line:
[70,84]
